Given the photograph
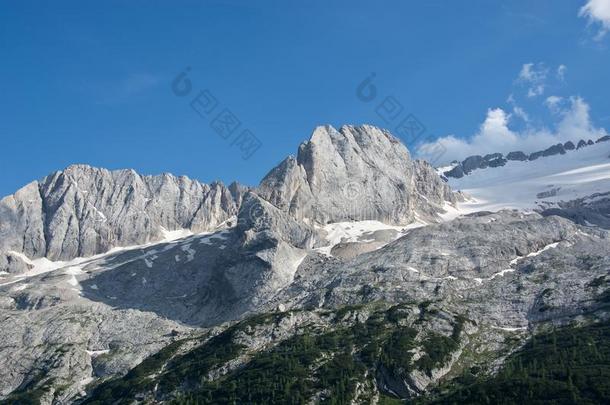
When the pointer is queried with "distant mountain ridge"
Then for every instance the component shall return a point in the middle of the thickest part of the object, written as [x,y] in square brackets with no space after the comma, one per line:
[475,162]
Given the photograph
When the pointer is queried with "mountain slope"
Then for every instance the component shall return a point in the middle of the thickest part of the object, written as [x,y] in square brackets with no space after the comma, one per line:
[352,273]
[548,182]
[377,327]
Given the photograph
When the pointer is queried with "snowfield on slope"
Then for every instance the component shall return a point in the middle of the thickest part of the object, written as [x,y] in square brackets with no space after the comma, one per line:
[538,183]
[170,239]
[359,231]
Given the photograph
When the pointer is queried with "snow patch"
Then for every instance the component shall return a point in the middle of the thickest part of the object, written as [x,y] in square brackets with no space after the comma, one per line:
[73,281]
[169,236]
[44,265]
[501,273]
[98,212]
[508,329]
[177,297]
[149,261]
[211,238]
[356,231]
[21,256]
[189,251]
[73,270]
[516,185]
[514,262]
[19,287]
[451,212]
[95,353]
[536,253]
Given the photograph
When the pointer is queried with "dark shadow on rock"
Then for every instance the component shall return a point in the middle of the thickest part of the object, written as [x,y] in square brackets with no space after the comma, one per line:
[199,281]
[591,211]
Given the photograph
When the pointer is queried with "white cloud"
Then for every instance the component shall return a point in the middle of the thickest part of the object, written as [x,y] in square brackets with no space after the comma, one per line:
[527,72]
[576,122]
[534,76]
[517,109]
[553,103]
[561,72]
[495,135]
[520,112]
[570,121]
[597,11]
[495,126]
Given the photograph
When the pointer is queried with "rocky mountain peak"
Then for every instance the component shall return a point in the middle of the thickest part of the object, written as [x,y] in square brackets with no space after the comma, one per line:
[354,173]
[326,142]
[83,210]
[478,283]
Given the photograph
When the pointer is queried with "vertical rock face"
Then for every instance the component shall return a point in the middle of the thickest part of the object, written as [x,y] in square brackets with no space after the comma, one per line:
[14,263]
[430,190]
[355,173]
[22,222]
[518,155]
[82,211]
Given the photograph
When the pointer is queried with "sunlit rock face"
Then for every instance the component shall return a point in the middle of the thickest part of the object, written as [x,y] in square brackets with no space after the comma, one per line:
[355,173]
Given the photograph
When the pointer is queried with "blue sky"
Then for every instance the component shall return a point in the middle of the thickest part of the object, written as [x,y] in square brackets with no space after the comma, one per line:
[85,82]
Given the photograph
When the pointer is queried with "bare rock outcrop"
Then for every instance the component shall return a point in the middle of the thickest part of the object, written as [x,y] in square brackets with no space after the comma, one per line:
[355,173]
[82,211]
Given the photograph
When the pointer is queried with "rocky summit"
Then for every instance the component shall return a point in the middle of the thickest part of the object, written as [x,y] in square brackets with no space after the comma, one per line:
[352,273]
[82,211]
[352,174]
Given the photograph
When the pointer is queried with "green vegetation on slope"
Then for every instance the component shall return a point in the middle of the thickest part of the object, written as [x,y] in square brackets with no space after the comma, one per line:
[120,390]
[566,366]
[359,360]
[334,365]
[329,366]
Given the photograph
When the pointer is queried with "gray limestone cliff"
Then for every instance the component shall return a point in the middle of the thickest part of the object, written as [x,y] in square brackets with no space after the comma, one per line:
[82,211]
[355,173]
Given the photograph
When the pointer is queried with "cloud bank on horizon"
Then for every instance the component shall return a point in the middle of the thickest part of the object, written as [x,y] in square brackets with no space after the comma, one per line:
[570,118]
[495,135]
